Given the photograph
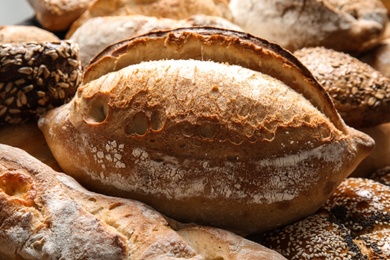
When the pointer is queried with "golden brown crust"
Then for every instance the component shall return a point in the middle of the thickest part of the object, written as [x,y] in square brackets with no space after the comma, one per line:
[348,26]
[22,33]
[57,15]
[361,94]
[175,131]
[174,9]
[353,224]
[46,214]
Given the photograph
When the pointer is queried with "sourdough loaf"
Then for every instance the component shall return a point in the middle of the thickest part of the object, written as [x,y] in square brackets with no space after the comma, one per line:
[352,26]
[206,125]
[45,214]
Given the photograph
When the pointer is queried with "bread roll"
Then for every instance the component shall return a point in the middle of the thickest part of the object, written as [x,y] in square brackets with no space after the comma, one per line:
[350,26]
[361,93]
[174,9]
[58,15]
[35,77]
[225,122]
[24,33]
[92,37]
[47,215]
[353,224]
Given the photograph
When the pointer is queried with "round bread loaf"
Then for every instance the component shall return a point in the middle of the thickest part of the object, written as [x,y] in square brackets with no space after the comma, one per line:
[361,93]
[353,224]
[35,77]
[352,26]
[92,37]
[206,125]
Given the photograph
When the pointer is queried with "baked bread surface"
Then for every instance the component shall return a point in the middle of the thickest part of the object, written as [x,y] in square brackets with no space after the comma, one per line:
[46,214]
[243,147]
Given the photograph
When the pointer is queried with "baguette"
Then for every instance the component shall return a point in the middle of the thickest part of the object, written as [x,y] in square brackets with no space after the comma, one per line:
[46,214]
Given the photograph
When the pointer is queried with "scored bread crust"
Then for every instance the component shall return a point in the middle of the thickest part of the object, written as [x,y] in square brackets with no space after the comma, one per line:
[238,142]
[46,214]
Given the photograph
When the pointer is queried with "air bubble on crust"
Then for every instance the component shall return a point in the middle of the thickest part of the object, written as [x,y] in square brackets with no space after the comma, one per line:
[97,112]
[138,125]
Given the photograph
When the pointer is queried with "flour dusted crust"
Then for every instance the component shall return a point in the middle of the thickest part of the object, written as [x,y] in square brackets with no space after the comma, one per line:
[46,214]
[211,118]
[348,25]
[174,9]
[353,224]
[92,37]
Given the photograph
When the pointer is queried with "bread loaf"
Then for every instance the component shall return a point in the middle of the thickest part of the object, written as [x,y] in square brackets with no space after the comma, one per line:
[47,215]
[174,9]
[353,224]
[24,33]
[35,77]
[225,122]
[361,94]
[92,37]
[58,15]
[352,26]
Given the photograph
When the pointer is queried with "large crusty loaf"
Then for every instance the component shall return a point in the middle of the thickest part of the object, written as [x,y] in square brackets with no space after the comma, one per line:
[353,224]
[58,15]
[35,77]
[92,37]
[206,125]
[45,214]
[351,25]
[174,9]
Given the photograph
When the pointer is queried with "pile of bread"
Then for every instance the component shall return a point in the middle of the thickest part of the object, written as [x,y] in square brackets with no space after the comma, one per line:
[170,129]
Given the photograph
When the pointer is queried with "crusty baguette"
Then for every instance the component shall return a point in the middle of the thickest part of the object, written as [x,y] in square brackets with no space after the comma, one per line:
[230,124]
[45,214]
[352,26]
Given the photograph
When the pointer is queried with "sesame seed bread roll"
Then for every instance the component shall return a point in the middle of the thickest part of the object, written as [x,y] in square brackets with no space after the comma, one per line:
[207,125]
[361,94]
[35,77]
[46,214]
[352,26]
[353,224]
